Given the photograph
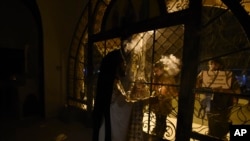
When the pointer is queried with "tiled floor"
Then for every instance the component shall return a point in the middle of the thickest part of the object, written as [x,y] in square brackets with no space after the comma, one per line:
[34,129]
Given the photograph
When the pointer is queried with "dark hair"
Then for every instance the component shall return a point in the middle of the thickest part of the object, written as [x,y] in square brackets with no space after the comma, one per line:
[217,60]
[126,36]
[159,64]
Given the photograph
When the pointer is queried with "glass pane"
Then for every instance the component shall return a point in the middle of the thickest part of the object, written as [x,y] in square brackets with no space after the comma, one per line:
[176,5]
[99,17]
[104,47]
[149,101]
[71,68]
[124,12]
[79,90]
[214,3]
[74,47]
[82,25]
[79,70]
[223,72]
[163,55]
[71,87]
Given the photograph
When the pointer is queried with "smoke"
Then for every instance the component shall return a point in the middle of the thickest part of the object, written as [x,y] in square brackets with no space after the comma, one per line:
[171,64]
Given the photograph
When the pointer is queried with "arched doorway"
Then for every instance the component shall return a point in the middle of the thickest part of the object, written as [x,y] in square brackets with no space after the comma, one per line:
[21,60]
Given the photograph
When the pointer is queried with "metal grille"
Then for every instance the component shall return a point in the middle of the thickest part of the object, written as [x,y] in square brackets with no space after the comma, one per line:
[221,37]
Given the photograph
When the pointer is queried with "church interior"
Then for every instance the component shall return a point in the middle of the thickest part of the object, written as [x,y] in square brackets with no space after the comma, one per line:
[51,54]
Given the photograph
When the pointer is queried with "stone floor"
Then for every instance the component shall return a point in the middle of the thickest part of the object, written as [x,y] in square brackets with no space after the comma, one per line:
[34,129]
[55,129]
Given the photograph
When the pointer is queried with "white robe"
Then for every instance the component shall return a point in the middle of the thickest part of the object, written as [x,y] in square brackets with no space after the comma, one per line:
[120,112]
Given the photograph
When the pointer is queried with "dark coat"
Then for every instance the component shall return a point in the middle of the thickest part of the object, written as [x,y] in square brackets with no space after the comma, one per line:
[108,72]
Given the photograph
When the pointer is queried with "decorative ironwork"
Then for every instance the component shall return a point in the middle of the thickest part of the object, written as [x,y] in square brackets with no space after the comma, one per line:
[239,112]
[221,37]
[246,5]
[176,5]
[149,120]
